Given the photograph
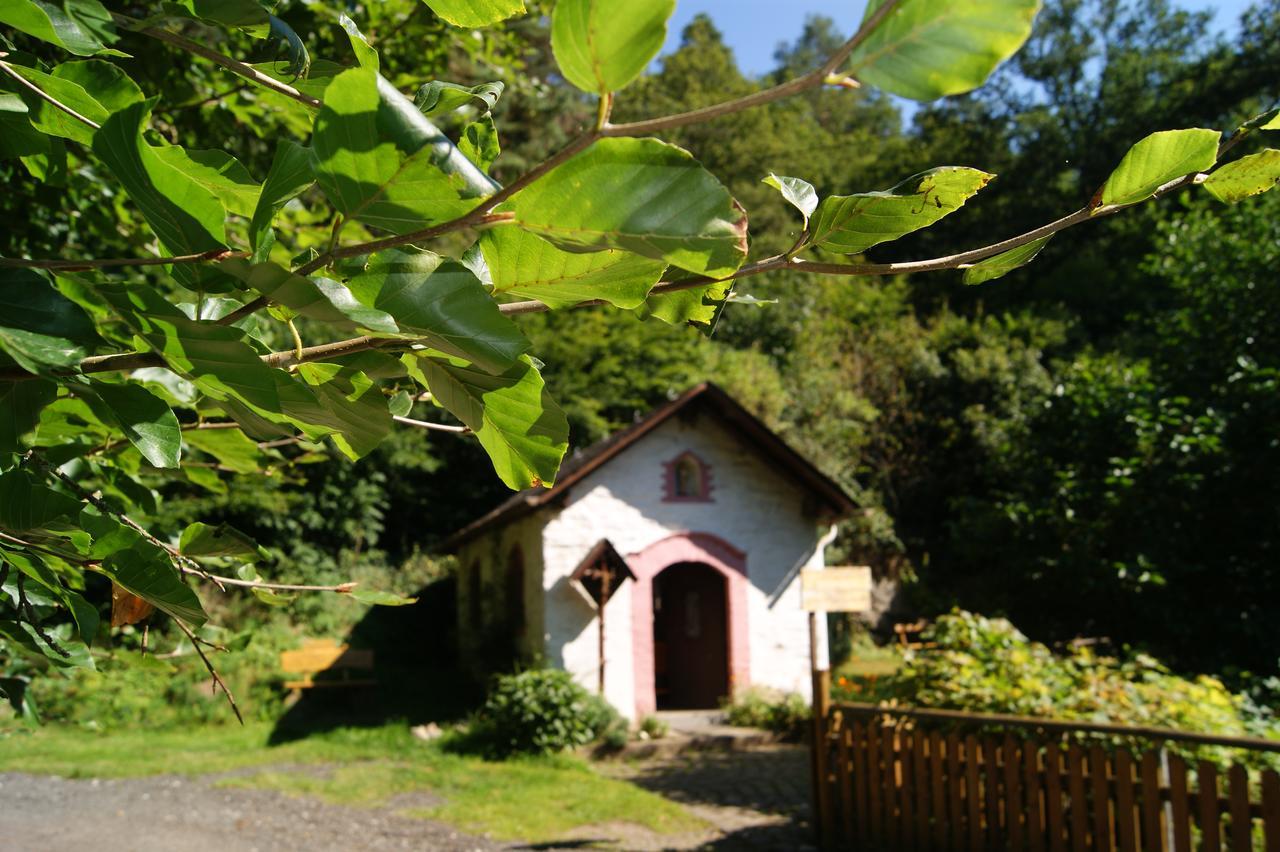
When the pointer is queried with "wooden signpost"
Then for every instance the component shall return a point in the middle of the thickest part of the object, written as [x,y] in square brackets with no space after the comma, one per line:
[833,589]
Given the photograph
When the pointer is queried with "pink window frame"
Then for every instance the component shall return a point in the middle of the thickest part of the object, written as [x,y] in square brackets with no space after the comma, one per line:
[669,494]
[725,559]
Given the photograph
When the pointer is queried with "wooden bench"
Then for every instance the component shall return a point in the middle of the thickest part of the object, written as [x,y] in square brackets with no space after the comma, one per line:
[350,666]
[910,635]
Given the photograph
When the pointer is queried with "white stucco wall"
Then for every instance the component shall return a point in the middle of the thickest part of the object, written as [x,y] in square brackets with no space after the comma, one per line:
[753,508]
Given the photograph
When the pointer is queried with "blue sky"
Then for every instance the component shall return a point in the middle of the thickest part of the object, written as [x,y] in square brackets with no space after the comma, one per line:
[754,28]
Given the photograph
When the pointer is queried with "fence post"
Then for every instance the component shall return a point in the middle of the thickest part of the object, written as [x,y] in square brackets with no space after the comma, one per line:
[823,818]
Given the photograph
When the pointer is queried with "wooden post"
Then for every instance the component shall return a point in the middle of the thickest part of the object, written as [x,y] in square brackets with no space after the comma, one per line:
[605,576]
[823,818]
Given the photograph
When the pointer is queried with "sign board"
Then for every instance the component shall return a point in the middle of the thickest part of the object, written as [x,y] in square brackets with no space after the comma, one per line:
[843,589]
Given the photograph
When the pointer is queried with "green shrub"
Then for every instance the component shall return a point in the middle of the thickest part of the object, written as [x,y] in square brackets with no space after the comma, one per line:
[784,714]
[652,728]
[987,665]
[540,712]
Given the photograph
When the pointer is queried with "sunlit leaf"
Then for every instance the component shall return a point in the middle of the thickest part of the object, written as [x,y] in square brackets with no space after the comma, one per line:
[146,420]
[479,143]
[850,224]
[220,173]
[525,265]
[602,45]
[1005,262]
[82,27]
[369,174]
[290,173]
[93,87]
[442,302]
[231,447]
[475,13]
[320,298]
[186,216]
[1158,159]
[1245,177]
[438,96]
[518,423]
[642,196]
[926,49]
[800,193]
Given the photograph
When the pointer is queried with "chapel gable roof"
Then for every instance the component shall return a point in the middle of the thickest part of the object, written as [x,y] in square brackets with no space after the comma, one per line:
[706,397]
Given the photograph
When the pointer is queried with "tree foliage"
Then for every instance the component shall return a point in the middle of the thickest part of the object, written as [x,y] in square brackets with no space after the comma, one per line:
[172,318]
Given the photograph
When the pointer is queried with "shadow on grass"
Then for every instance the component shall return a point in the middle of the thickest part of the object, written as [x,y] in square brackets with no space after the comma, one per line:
[415,668]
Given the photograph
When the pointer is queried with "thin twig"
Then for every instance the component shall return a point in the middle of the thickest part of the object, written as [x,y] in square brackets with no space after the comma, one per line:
[185,563]
[235,66]
[45,96]
[217,678]
[438,427]
[79,265]
[812,80]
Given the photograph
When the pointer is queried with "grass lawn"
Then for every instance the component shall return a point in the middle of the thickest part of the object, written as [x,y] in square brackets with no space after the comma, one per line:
[533,799]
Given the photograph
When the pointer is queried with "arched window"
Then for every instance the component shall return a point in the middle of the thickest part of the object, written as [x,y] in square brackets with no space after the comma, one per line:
[688,480]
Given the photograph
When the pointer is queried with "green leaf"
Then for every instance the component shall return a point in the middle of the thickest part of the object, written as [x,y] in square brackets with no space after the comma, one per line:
[377,598]
[186,216]
[642,196]
[222,364]
[17,137]
[365,173]
[39,327]
[94,88]
[851,224]
[243,14]
[479,143]
[25,505]
[926,49]
[518,423]
[85,615]
[401,404]
[82,27]
[691,305]
[442,302]
[270,597]
[290,173]
[353,407]
[25,638]
[146,420]
[20,407]
[800,193]
[220,173]
[223,540]
[1002,264]
[231,447]
[1247,176]
[1158,159]
[527,266]
[366,56]
[147,572]
[320,299]
[1269,120]
[475,13]
[438,96]
[602,45]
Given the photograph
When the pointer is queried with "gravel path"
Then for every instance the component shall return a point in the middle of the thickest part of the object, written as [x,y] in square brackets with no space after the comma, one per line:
[170,814]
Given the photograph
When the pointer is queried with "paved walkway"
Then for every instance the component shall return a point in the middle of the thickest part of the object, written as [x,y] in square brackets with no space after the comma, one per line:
[757,799]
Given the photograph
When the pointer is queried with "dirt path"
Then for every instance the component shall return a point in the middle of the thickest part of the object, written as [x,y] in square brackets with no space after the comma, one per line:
[169,814]
[756,800]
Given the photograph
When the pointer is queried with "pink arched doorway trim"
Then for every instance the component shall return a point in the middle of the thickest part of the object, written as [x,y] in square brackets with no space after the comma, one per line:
[687,547]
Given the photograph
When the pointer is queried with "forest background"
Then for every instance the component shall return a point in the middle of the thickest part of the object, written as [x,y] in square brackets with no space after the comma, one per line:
[1088,447]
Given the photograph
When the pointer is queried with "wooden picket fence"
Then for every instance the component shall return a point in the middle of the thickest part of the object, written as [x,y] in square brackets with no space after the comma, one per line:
[939,780]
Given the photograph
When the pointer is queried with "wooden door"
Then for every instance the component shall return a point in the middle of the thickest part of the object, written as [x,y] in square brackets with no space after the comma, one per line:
[690,637]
